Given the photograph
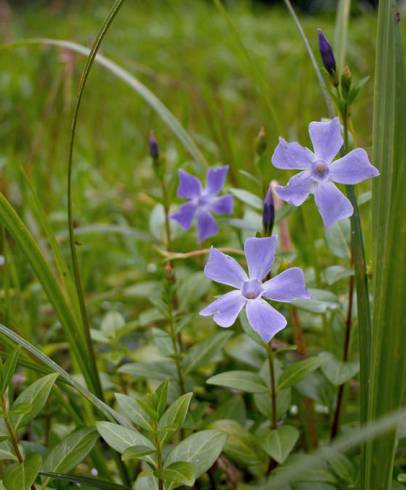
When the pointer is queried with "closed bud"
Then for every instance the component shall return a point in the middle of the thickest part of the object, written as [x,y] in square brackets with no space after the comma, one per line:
[153,147]
[346,79]
[268,212]
[261,142]
[327,57]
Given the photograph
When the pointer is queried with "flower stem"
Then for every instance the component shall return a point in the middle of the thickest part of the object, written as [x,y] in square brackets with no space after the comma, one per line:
[273,384]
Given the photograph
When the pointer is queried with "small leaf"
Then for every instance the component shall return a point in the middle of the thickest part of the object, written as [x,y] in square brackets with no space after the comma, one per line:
[205,352]
[150,370]
[240,380]
[321,301]
[297,371]
[201,449]
[280,442]
[21,476]
[336,273]
[337,372]
[36,395]
[161,397]
[174,416]
[132,409]
[69,452]
[8,369]
[338,239]
[179,473]
[121,438]
[136,452]
[247,198]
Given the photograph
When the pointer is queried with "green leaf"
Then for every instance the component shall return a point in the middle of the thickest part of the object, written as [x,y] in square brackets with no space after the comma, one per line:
[205,352]
[150,370]
[175,415]
[297,371]
[70,451]
[321,301]
[179,473]
[338,239]
[337,372]
[242,446]
[111,323]
[121,438]
[136,452]
[8,369]
[36,395]
[21,476]
[85,482]
[161,397]
[335,273]
[240,380]
[200,449]
[248,198]
[6,451]
[130,407]
[280,442]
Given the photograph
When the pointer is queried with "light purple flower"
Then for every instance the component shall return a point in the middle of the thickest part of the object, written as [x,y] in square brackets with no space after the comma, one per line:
[319,171]
[203,201]
[250,290]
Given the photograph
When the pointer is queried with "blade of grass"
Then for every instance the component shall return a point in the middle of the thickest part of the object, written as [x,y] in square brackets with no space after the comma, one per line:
[341,33]
[143,91]
[88,395]
[82,481]
[17,229]
[388,363]
[253,68]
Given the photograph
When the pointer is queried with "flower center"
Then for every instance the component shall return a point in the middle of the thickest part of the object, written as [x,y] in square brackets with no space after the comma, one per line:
[320,170]
[203,201]
[251,289]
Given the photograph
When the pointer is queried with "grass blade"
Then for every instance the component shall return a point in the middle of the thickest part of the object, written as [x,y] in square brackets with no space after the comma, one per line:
[341,33]
[85,481]
[388,363]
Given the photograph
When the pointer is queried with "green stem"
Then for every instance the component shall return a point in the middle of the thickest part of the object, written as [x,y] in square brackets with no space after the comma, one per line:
[159,462]
[272,385]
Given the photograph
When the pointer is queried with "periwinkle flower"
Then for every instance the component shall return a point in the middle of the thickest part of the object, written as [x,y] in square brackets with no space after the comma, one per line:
[319,171]
[202,202]
[250,290]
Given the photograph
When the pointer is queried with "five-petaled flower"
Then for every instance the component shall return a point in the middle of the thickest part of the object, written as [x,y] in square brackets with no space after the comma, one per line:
[203,201]
[250,290]
[319,171]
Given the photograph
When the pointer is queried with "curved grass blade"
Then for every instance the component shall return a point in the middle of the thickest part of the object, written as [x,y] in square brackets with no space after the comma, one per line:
[388,363]
[85,481]
[96,402]
[253,67]
[29,247]
[341,33]
[142,90]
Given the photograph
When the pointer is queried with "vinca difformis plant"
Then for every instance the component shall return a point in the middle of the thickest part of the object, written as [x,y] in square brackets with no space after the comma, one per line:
[236,355]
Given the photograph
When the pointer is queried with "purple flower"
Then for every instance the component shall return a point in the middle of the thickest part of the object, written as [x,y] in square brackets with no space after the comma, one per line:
[319,171]
[203,201]
[250,290]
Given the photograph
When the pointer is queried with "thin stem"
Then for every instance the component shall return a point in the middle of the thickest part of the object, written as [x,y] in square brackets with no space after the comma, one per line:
[169,256]
[273,385]
[159,462]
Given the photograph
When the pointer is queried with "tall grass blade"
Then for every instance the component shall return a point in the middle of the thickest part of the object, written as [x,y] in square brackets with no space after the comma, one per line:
[341,33]
[25,241]
[85,482]
[388,362]
[54,367]
[142,90]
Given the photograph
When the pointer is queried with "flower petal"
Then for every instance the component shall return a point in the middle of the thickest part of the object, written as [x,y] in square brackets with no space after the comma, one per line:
[224,269]
[222,205]
[332,203]
[215,179]
[225,309]
[297,190]
[260,255]
[326,138]
[184,215]
[189,185]
[291,156]
[353,168]
[206,225]
[264,319]
[286,286]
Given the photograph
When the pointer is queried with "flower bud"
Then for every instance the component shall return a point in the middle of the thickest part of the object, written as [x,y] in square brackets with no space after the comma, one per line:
[268,212]
[346,79]
[261,142]
[327,57]
[153,147]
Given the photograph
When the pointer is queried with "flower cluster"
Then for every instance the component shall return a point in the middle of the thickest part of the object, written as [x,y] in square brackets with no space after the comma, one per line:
[319,173]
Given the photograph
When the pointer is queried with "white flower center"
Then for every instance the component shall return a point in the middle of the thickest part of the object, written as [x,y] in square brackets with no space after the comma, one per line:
[251,289]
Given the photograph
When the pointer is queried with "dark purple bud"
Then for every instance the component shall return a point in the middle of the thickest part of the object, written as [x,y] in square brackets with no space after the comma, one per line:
[153,146]
[326,53]
[268,213]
